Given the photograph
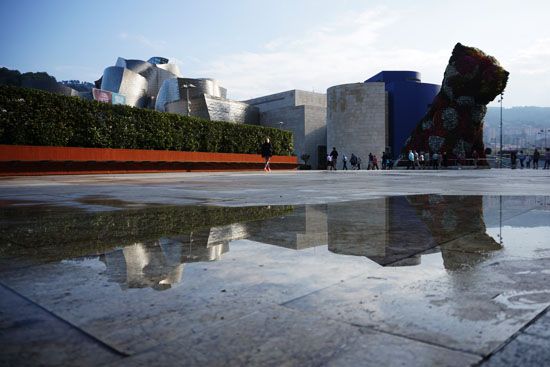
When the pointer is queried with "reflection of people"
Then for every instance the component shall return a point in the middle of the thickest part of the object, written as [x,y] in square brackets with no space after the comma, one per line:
[267,153]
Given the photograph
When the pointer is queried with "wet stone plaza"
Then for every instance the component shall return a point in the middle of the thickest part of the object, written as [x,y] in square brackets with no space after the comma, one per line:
[359,268]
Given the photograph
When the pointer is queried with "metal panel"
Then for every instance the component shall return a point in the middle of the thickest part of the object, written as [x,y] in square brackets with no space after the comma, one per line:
[126,82]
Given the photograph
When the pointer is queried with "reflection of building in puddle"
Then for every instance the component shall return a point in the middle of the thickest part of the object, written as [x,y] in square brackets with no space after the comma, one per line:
[305,227]
[387,231]
[160,264]
[395,231]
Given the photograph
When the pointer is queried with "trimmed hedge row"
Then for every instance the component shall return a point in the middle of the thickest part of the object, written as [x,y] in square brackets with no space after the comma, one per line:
[33,117]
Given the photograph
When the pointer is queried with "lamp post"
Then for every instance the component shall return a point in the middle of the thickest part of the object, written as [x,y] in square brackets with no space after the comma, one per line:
[187,86]
[500,101]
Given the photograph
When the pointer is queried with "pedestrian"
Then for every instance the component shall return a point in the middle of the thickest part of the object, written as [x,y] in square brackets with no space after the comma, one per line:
[435,160]
[353,161]
[521,158]
[358,163]
[374,162]
[329,162]
[416,159]
[421,160]
[410,162]
[475,157]
[334,155]
[267,153]
[536,156]
[427,160]
[384,158]
[345,160]
[513,159]
[369,165]
[547,159]
[528,161]
[444,159]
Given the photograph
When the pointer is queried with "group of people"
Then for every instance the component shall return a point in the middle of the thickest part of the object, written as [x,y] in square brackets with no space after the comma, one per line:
[355,161]
[527,160]
[436,160]
[422,160]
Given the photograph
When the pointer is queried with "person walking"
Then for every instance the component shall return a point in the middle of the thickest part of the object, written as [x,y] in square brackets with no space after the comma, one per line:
[536,156]
[369,166]
[521,158]
[329,162]
[547,159]
[334,155]
[416,159]
[435,160]
[353,161]
[410,163]
[345,160]
[358,163]
[374,162]
[267,153]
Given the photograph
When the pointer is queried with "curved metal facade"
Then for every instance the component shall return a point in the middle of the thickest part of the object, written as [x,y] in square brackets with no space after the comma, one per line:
[138,80]
[128,83]
[157,84]
[173,90]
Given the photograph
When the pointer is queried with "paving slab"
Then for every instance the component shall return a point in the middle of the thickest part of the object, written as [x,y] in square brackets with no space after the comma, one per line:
[278,336]
[525,350]
[356,268]
[30,336]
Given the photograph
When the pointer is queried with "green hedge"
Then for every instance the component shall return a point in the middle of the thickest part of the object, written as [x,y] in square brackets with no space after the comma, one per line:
[33,117]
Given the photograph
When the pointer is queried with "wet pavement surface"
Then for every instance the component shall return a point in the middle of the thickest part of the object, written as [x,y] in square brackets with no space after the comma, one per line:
[416,280]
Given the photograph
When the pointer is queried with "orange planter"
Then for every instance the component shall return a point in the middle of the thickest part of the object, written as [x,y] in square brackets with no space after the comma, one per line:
[41,160]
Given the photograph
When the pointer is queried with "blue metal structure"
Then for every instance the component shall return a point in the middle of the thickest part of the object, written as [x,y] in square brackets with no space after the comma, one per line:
[408,102]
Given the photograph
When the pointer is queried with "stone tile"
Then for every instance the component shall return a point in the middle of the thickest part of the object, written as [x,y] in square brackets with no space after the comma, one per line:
[525,350]
[474,310]
[278,336]
[273,337]
[251,276]
[381,349]
[30,336]
[541,326]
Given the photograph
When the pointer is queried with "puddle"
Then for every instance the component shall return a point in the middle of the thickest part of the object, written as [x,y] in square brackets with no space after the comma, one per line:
[464,272]
[146,246]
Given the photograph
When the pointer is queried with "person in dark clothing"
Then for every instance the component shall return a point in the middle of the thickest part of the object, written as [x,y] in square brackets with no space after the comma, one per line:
[445,159]
[334,155]
[267,153]
[513,159]
[353,161]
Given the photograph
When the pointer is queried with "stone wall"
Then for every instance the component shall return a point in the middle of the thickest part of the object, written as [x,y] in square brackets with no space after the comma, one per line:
[357,120]
[302,112]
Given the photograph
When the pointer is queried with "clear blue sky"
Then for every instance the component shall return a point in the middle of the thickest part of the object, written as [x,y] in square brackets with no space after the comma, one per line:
[260,47]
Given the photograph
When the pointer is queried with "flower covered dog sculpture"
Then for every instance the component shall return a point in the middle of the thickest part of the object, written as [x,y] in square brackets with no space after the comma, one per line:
[454,122]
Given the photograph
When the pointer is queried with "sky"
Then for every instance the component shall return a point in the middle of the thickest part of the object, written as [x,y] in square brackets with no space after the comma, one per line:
[260,47]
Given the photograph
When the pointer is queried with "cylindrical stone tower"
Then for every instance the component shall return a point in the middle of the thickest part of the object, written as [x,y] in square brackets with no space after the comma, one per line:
[357,120]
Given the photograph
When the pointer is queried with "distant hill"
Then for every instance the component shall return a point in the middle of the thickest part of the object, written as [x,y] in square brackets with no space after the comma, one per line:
[518,117]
